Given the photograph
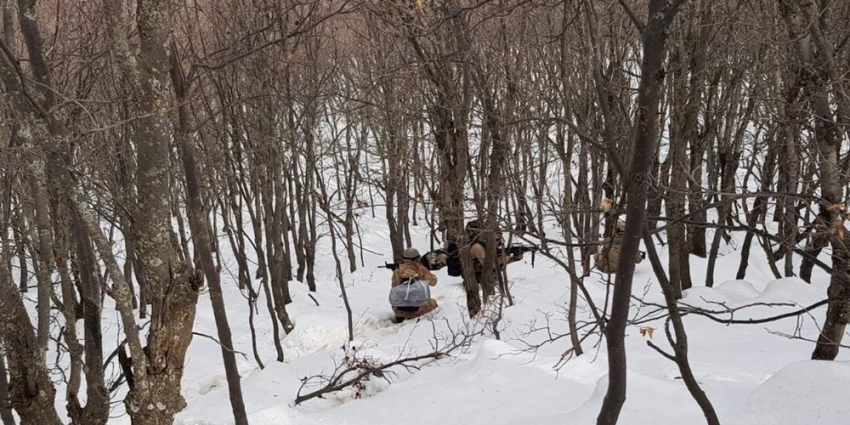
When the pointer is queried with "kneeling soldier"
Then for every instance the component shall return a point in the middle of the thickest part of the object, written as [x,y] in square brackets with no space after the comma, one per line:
[410,297]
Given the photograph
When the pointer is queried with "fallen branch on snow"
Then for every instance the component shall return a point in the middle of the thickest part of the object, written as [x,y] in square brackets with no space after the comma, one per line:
[354,369]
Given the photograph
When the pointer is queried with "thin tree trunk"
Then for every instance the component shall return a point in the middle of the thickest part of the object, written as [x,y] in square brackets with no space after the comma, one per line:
[679,249]
[757,211]
[679,342]
[199,223]
[5,412]
[263,272]
[45,244]
[801,18]
[96,410]
[31,390]
[338,265]
[18,226]
[6,415]
[567,205]
[661,15]
[495,186]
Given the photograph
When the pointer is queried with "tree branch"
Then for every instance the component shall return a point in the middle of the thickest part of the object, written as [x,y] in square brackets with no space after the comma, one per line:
[662,352]
[635,20]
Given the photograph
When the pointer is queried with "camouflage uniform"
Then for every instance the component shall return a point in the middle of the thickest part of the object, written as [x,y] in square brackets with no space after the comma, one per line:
[413,269]
[609,265]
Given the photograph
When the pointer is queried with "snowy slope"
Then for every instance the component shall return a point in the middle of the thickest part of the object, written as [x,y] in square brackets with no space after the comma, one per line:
[752,376]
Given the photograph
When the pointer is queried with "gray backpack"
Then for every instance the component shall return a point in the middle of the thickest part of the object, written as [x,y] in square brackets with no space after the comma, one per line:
[412,292]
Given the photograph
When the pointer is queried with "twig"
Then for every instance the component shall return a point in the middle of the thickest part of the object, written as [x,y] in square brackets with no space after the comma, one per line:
[336,385]
[685,309]
[660,351]
[635,20]
[220,344]
[801,338]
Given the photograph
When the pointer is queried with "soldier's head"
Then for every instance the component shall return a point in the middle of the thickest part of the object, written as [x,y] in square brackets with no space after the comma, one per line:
[474,229]
[410,254]
[607,205]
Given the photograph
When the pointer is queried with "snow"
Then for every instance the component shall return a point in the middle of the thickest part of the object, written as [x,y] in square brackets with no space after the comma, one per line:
[751,374]
[811,391]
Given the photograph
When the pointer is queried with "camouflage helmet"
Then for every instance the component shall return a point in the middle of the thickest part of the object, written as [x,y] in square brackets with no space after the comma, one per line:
[410,254]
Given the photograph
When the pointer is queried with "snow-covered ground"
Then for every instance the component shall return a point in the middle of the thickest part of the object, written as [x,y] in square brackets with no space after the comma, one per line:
[752,376]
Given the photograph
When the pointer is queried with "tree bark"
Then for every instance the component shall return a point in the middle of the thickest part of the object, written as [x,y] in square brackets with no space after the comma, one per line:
[31,391]
[172,285]
[96,410]
[5,412]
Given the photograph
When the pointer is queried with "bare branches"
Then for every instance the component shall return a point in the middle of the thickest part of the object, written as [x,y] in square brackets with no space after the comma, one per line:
[717,315]
[304,26]
[357,367]
[21,83]
[635,20]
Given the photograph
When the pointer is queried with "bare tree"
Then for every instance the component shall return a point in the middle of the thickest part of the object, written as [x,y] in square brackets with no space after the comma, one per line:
[654,33]
[802,18]
[199,223]
[31,390]
[172,284]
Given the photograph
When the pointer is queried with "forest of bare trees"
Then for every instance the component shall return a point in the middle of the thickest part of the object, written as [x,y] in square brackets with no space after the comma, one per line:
[142,141]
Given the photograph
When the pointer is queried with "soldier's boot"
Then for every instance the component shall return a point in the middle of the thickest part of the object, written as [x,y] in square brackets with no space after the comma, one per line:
[427,307]
[402,315]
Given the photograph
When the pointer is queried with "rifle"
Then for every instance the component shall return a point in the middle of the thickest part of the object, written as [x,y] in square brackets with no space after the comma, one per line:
[518,249]
[422,260]
[390,266]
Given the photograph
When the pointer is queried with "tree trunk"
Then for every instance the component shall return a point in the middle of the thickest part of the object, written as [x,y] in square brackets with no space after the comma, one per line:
[755,213]
[644,135]
[96,410]
[45,244]
[495,186]
[263,274]
[6,415]
[5,412]
[801,18]
[679,342]
[199,223]
[30,389]
[155,396]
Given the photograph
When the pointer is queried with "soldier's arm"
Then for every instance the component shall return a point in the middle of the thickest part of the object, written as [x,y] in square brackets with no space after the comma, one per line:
[511,258]
[426,274]
[478,253]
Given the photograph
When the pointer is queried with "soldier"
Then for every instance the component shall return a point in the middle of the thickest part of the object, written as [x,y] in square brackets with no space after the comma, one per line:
[410,297]
[609,265]
[478,248]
